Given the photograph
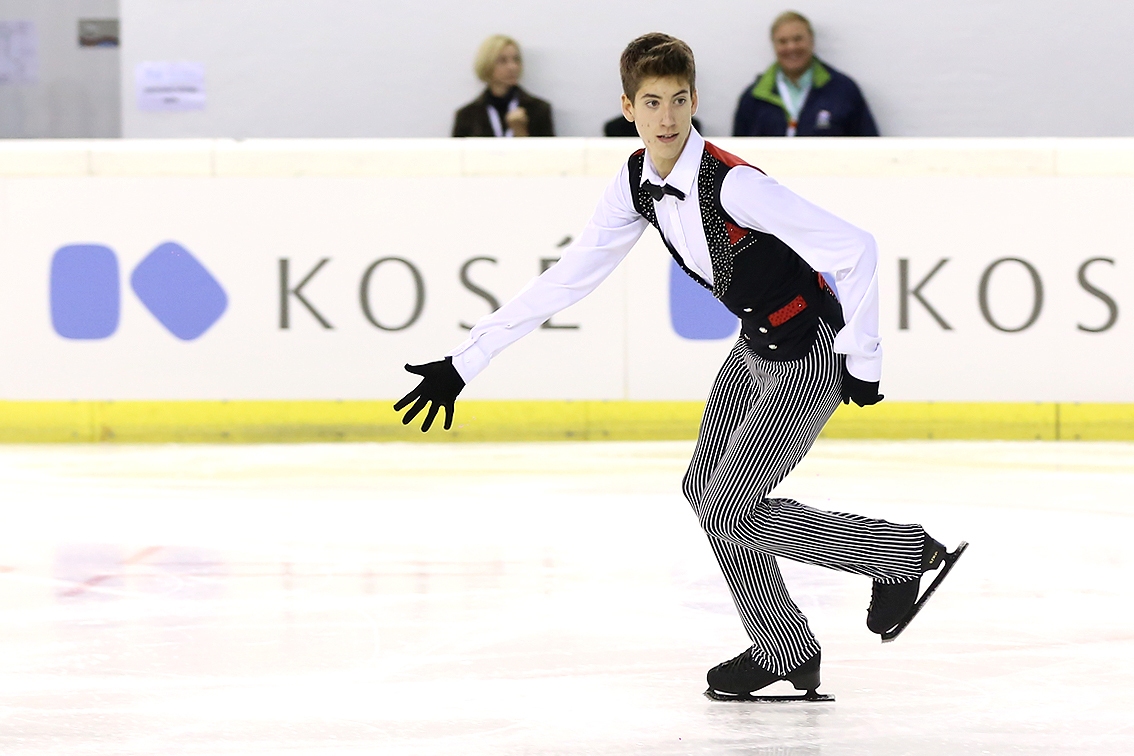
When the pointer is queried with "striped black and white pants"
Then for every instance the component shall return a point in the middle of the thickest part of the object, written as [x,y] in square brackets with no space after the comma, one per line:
[761,418]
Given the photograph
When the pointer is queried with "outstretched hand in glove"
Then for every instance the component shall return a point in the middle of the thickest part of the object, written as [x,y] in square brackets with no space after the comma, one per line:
[863,393]
[439,387]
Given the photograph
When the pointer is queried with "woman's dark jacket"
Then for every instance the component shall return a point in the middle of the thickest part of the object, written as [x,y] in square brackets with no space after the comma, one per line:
[472,119]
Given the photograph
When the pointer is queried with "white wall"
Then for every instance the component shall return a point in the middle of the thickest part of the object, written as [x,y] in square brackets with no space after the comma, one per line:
[241,207]
[77,94]
[311,68]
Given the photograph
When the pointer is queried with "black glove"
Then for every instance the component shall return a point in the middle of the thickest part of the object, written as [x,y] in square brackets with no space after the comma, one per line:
[862,393]
[440,384]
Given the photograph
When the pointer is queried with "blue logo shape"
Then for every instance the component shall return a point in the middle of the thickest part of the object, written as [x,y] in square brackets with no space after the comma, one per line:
[176,288]
[694,312]
[85,299]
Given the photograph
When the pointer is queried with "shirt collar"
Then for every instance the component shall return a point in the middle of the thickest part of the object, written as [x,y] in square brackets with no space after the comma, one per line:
[688,165]
[800,87]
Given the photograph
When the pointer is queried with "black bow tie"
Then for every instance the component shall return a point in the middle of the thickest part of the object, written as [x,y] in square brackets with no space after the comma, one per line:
[657,192]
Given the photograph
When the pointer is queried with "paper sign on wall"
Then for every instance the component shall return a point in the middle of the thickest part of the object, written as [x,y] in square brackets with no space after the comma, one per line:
[98,32]
[163,85]
[19,52]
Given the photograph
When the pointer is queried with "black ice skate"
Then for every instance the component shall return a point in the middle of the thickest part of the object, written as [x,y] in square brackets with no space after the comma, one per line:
[893,606]
[737,679]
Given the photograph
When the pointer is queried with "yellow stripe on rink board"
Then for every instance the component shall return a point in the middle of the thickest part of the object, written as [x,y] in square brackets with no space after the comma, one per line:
[1097,422]
[305,421]
[300,421]
[947,420]
[1047,421]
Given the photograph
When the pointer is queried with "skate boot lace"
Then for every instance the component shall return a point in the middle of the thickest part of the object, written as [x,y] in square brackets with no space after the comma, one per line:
[743,660]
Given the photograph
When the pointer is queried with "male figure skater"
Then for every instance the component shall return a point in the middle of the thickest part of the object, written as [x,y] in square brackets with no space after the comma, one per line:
[757,247]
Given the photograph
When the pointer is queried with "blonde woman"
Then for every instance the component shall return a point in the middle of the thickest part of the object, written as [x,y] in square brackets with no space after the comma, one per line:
[503,109]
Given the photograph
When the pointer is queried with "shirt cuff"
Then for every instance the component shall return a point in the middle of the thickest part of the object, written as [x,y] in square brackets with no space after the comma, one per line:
[867,369]
[469,361]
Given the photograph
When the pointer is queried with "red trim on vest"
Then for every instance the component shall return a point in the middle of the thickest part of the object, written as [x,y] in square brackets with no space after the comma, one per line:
[726,157]
[735,233]
[638,152]
[788,311]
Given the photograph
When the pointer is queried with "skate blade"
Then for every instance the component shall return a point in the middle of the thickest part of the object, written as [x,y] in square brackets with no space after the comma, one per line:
[949,561]
[810,696]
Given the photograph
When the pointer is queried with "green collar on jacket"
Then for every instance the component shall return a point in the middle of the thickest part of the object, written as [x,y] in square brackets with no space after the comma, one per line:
[766,90]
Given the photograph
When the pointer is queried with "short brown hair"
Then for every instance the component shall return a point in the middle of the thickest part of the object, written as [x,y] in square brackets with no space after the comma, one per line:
[656,55]
[489,51]
[788,16]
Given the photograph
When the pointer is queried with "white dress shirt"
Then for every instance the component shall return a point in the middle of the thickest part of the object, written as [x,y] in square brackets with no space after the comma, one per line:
[827,243]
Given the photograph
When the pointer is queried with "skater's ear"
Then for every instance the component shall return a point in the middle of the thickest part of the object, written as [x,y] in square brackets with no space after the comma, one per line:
[627,109]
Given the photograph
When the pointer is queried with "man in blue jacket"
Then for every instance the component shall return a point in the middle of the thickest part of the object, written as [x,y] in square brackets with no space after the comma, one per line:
[798,95]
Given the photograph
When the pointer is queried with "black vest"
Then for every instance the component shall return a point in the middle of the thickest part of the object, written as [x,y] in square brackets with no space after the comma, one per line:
[778,297]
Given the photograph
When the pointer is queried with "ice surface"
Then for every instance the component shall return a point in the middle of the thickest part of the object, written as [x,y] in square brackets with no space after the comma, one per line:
[540,599]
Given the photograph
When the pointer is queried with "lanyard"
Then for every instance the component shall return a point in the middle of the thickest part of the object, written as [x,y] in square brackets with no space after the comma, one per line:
[792,106]
[494,118]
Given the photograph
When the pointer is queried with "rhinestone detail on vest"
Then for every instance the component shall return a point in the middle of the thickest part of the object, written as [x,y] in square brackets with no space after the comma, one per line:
[722,249]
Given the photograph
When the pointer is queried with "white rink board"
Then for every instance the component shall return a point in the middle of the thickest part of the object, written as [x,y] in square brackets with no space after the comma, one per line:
[241,208]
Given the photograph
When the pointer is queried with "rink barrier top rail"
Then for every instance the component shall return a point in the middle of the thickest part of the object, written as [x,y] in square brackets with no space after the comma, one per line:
[562,156]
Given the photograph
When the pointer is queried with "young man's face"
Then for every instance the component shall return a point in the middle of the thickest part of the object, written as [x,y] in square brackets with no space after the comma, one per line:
[662,111]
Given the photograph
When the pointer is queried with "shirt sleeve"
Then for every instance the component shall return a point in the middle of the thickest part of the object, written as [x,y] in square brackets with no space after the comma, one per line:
[607,238]
[829,245]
